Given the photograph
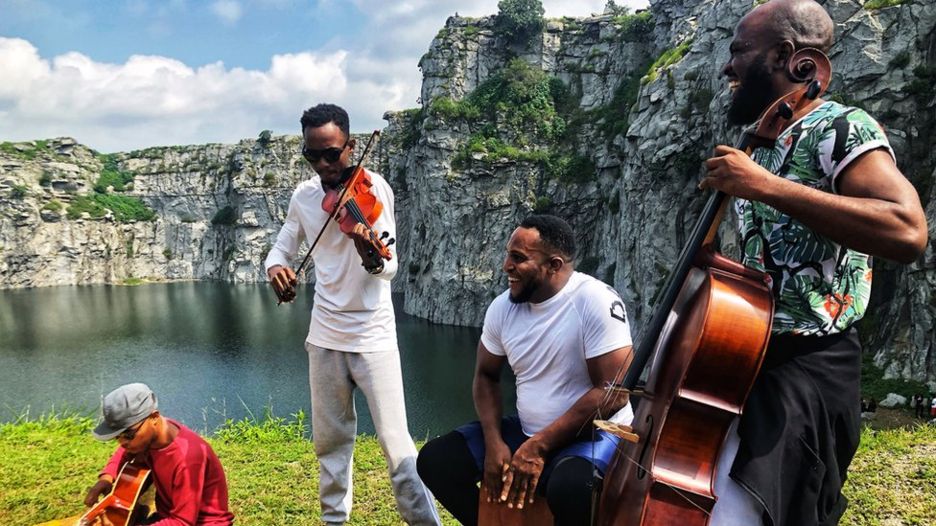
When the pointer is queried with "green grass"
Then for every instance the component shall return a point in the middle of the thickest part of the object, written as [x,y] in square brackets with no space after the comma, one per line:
[47,464]
[893,478]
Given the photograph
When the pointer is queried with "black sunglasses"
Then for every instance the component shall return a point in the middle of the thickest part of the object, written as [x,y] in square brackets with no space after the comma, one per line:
[131,432]
[330,155]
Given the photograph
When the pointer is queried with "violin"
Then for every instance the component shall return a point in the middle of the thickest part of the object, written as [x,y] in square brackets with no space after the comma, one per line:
[350,203]
[707,337]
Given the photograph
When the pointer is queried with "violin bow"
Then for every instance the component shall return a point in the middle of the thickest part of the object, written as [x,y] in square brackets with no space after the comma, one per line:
[334,211]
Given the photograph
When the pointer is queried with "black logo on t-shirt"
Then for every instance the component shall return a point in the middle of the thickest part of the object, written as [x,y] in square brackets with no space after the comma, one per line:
[617,311]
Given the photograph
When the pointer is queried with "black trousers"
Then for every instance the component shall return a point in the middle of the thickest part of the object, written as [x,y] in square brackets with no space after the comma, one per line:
[449,471]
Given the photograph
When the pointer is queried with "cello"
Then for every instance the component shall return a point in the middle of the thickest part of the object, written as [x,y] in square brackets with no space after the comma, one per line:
[707,338]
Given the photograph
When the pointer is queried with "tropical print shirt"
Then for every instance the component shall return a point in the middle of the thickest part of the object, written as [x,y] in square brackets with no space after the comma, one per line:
[820,287]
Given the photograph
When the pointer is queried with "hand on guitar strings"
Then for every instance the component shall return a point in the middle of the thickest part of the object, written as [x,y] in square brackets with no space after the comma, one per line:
[102,487]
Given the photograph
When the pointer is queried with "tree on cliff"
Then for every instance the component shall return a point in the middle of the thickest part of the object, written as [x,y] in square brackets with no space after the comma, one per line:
[519,20]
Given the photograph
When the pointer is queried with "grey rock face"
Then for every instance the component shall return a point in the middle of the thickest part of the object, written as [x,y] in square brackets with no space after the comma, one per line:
[883,60]
[631,215]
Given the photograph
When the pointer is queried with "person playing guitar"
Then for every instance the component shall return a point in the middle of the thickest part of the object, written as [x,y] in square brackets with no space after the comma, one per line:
[191,488]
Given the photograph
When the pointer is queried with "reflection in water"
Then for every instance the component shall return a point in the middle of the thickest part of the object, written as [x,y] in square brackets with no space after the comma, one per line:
[209,350]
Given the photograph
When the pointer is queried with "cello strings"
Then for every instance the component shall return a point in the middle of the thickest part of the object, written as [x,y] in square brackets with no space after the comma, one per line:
[670,486]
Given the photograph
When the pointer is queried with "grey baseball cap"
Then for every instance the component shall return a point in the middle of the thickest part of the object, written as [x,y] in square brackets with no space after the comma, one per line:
[124,407]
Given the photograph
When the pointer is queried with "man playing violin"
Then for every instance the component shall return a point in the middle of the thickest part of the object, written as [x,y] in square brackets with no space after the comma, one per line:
[352,339]
[813,208]
[565,335]
[191,488]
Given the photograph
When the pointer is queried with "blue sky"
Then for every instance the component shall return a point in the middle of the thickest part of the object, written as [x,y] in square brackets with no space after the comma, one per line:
[125,74]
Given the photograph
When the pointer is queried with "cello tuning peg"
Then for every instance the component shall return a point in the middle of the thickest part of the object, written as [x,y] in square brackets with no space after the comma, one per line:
[813,90]
[785,111]
[392,241]
[385,235]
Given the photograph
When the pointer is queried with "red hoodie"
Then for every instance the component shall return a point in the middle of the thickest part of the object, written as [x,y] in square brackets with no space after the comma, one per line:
[190,486]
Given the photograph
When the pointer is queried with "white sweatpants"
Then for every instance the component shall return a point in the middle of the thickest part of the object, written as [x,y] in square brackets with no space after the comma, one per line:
[735,505]
[333,376]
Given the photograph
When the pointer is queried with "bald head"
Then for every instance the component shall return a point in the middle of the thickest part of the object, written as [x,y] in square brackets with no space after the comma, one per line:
[803,22]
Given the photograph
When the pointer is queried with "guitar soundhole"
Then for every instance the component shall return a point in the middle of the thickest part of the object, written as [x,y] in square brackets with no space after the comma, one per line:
[641,472]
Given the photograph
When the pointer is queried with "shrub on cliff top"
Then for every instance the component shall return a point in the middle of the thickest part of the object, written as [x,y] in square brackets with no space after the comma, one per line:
[112,176]
[519,20]
[520,96]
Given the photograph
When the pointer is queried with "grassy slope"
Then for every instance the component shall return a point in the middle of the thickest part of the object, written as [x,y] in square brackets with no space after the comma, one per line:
[46,465]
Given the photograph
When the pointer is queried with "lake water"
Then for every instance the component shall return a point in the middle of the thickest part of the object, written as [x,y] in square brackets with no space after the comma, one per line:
[210,351]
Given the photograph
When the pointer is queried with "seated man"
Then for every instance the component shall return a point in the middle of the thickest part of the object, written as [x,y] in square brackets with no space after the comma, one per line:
[190,485]
[565,336]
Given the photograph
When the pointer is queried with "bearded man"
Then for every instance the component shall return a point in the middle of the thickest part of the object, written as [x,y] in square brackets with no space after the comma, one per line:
[565,335]
[813,209]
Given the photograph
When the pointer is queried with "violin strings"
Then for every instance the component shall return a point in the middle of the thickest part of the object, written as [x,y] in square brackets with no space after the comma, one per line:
[356,212]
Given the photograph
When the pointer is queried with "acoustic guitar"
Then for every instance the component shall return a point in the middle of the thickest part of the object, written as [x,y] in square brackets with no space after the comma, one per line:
[119,507]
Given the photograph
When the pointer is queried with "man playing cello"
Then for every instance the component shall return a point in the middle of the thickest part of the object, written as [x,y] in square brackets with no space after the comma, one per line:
[813,209]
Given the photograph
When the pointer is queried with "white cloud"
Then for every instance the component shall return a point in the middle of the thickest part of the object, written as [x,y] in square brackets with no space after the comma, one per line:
[153,100]
[228,11]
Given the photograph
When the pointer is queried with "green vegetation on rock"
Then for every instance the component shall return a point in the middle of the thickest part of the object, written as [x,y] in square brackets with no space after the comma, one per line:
[19,191]
[112,176]
[871,5]
[125,209]
[53,206]
[519,20]
[634,27]
[922,87]
[515,116]
[667,58]
[225,216]
[25,150]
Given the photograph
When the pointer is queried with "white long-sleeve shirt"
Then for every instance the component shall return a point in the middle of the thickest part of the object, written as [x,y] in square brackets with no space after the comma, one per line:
[352,310]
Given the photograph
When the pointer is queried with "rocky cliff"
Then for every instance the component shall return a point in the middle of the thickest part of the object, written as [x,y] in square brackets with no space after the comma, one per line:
[646,108]
[603,120]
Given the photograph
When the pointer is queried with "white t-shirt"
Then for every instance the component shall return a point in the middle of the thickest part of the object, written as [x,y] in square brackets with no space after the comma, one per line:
[352,310]
[547,343]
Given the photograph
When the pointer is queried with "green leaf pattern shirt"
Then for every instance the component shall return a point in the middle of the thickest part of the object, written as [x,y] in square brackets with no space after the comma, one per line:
[820,287]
